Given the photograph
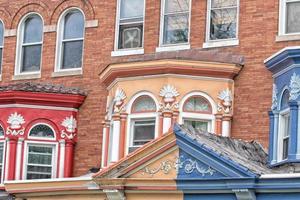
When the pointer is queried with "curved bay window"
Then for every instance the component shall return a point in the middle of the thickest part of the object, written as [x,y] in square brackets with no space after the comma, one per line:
[40,161]
[143,122]
[197,112]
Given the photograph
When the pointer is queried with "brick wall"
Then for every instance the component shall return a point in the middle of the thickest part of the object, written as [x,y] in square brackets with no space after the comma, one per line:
[258,24]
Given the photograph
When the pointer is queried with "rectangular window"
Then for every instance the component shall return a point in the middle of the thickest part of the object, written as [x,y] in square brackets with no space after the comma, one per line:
[1,159]
[292,10]
[130,24]
[40,162]
[223,19]
[285,135]
[175,22]
[197,124]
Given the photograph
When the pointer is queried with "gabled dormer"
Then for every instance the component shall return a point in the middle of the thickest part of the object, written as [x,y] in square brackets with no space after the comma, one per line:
[284,121]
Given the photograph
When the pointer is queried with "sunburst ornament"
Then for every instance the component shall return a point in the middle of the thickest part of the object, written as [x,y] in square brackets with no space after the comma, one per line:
[120,96]
[15,120]
[294,87]
[226,101]
[70,124]
[169,93]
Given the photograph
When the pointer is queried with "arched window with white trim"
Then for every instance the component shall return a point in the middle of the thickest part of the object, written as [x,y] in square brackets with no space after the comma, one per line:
[70,38]
[41,156]
[29,46]
[143,118]
[197,112]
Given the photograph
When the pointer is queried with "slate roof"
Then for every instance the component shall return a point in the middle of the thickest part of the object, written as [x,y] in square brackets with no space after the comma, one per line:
[250,155]
[42,87]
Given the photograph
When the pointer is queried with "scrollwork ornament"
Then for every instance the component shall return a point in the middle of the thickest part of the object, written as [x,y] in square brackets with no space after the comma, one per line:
[169,103]
[226,101]
[15,122]
[119,99]
[294,87]
[274,98]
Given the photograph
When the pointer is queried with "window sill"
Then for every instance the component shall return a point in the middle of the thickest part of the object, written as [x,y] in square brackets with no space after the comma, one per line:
[282,38]
[221,43]
[26,76]
[74,72]
[127,52]
[173,48]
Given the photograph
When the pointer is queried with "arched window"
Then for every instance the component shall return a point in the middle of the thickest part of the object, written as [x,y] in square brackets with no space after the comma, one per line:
[197,112]
[143,121]
[40,162]
[1,131]
[70,40]
[30,40]
[285,100]
[1,43]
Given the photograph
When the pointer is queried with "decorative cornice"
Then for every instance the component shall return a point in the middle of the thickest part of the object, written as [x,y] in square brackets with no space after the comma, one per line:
[294,87]
[226,101]
[274,98]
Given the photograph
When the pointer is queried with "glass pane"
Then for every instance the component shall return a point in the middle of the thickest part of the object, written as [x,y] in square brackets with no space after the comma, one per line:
[31,58]
[42,131]
[132,9]
[223,24]
[38,176]
[285,100]
[1,160]
[293,17]
[143,132]
[72,54]
[130,36]
[176,29]
[201,125]
[286,121]
[1,34]
[144,104]
[223,3]
[285,148]
[40,149]
[197,104]
[39,159]
[1,131]
[173,6]
[33,29]
[74,25]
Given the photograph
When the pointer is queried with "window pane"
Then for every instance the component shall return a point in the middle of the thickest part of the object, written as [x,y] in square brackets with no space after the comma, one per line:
[223,3]
[1,131]
[31,58]
[197,104]
[201,125]
[223,24]
[42,131]
[176,29]
[285,100]
[33,29]
[143,132]
[177,6]
[132,9]
[74,25]
[1,34]
[72,54]
[293,17]
[1,160]
[144,104]
[130,36]
[285,148]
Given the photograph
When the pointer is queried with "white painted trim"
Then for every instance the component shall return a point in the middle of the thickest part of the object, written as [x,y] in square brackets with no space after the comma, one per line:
[38,107]
[3,173]
[276,176]
[207,38]
[59,39]
[42,138]
[281,134]
[26,76]
[282,38]
[19,45]
[161,32]
[50,180]
[10,32]
[280,51]
[67,72]
[62,146]
[104,145]
[92,23]
[6,159]
[173,47]
[115,141]
[127,52]
[167,123]
[137,95]
[55,163]
[49,28]
[19,158]
[190,77]
[221,43]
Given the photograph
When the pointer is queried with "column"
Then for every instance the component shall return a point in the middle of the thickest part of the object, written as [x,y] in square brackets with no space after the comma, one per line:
[116,138]
[226,125]
[293,130]
[160,125]
[62,147]
[218,126]
[19,158]
[122,135]
[12,145]
[271,136]
[167,121]
[69,157]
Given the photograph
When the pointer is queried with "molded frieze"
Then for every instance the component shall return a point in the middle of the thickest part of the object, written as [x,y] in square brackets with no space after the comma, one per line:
[294,87]
[274,98]
[226,101]
[15,122]
[70,125]
[169,94]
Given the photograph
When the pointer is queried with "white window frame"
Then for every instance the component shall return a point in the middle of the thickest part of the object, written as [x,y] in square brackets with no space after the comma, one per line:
[55,161]
[199,117]
[221,42]
[42,138]
[59,41]
[131,51]
[172,47]
[281,128]
[19,51]
[282,18]
[3,162]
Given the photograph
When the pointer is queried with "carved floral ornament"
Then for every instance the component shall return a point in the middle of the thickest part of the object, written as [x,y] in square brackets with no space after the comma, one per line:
[294,87]
[169,94]
[15,122]
[70,125]
[226,101]
[274,98]
[188,165]
[119,98]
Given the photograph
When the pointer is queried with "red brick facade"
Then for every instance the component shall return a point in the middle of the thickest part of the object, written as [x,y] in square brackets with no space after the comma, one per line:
[258,27]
